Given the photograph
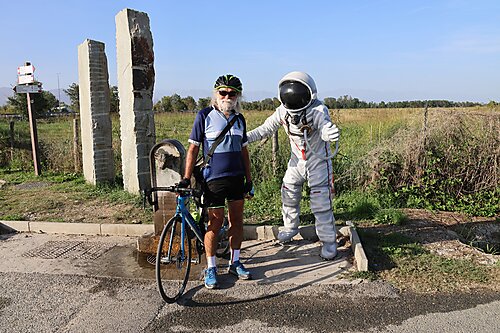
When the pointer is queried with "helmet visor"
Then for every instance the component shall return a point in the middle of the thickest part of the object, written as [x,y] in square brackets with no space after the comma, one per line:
[294,95]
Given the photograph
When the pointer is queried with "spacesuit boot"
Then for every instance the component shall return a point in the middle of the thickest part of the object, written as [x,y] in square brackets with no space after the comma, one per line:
[286,236]
[328,251]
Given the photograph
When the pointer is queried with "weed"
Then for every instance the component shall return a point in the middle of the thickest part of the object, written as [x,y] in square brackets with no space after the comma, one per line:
[356,205]
[12,217]
[367,275]
[399,259]
[390,216]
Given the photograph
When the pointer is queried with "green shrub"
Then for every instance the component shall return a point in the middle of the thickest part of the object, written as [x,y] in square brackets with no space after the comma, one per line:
[390,216]
[453,166]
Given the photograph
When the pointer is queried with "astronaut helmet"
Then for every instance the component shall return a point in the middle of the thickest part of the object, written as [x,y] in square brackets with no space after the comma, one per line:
[297,91]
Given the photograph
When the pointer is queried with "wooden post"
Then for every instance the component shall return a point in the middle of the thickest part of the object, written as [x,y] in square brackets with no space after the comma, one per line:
[11,126]
[275,148]
[76,146]
[426,113]
[34,137]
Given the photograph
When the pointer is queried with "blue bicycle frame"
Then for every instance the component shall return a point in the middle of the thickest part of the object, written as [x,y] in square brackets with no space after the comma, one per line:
[170,263]
[187,219]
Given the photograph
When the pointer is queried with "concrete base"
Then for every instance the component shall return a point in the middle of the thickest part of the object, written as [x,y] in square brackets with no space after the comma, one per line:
[356,246]
[147,242]
[79,228]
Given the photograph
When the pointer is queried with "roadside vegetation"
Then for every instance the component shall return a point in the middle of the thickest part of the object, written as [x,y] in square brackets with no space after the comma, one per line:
[437,159]
[407,264]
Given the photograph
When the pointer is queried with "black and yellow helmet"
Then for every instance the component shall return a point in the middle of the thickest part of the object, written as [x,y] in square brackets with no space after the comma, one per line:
[228,81]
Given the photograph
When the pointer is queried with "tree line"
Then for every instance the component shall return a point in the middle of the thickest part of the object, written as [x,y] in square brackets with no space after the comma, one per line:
[44,102]
[348,102]
[176,103]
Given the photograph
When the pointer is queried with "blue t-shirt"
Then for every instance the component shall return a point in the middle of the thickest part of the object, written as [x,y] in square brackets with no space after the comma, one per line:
[227,159]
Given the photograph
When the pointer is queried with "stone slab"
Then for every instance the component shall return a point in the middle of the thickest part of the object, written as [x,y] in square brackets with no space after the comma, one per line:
[126,229]
[20,226]
[65,228]
[357,247]
[297,262]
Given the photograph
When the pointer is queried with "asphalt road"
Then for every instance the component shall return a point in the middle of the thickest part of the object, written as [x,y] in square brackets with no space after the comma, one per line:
[110,289]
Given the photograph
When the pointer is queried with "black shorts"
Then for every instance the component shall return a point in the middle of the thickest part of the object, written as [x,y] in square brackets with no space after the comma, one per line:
[218,190]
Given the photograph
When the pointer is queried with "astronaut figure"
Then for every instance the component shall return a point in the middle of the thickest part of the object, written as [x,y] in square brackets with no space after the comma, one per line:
[300,111]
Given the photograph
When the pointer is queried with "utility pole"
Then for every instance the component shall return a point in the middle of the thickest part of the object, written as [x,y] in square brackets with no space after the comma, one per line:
[59,93]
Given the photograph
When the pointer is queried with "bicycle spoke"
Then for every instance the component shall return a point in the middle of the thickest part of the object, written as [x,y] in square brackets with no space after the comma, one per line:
[223,241]
[173,261]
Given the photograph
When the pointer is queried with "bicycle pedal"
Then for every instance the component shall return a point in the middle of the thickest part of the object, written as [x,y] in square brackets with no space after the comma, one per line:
[195,261]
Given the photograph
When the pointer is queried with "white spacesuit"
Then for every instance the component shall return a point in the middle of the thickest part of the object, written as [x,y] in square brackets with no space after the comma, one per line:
[302,111]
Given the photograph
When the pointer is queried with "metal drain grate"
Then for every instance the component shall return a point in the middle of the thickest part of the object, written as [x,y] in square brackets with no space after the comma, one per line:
[151,259]
[69,250]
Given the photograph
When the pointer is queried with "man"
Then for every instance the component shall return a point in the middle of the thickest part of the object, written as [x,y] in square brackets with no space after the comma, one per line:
[300,111]
[229,177]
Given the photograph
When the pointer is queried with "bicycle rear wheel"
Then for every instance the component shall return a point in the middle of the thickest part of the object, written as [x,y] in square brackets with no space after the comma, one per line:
[172,264]
[223,247]
[223,241]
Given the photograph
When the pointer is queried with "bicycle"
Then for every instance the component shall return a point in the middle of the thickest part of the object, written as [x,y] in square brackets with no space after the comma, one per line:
[174,257]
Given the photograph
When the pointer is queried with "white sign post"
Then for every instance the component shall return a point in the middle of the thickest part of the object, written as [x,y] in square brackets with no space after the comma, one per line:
[28,88]
[25,76]
[25,70]
[25,79]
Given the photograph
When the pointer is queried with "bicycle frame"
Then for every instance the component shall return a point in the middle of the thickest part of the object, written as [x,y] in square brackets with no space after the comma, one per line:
[187,219]
[180,257]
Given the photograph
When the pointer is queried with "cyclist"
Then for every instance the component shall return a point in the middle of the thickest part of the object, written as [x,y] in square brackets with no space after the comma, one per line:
[229,172]
[300,111]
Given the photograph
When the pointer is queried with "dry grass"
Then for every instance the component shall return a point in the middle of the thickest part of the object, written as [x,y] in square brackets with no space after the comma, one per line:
[466,146]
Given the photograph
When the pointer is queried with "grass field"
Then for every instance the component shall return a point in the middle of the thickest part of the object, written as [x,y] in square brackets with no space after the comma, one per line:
[377,146]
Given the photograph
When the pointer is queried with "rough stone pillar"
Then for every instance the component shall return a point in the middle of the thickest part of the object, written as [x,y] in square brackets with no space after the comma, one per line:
[135,59]
[167,169]
[97,149]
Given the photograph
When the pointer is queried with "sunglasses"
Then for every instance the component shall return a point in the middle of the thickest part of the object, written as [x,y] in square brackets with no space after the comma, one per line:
[227,93]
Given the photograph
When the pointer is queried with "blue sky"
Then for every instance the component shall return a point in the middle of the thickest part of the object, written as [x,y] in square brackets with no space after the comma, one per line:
[373,50]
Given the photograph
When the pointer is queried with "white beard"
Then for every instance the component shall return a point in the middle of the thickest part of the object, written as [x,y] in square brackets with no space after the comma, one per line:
[226,105]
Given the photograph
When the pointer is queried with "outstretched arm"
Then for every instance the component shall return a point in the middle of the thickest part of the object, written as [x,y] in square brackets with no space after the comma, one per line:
[329,131]
[265,130]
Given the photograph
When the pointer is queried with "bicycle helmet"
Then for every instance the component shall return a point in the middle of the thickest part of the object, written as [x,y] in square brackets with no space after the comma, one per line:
[297,91]
[228,81]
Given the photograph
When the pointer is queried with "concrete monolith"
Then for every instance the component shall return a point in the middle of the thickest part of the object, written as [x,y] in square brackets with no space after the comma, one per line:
[97,149]
[136,75]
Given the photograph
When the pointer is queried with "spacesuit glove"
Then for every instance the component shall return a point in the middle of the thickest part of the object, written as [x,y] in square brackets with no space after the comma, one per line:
[184,183]
[330,132]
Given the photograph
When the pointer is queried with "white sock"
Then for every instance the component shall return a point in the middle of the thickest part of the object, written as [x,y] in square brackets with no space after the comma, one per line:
[235,255]
[211,262]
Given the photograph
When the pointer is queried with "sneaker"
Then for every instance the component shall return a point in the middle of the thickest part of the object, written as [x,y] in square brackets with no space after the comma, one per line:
[328,251]
[285,236]
[237,268]
[210,277]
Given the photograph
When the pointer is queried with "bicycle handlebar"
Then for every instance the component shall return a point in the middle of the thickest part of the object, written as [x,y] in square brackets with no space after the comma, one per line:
[179,190]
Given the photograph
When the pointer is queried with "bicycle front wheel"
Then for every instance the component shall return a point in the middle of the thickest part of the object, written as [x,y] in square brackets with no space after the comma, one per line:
[173,261]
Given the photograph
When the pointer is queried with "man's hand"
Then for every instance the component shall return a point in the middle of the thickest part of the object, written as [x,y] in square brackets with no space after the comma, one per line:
[248,190]
[184,183]
[330,132]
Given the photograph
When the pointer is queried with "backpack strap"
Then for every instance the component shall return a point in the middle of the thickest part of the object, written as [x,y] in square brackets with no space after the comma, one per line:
[219,139]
